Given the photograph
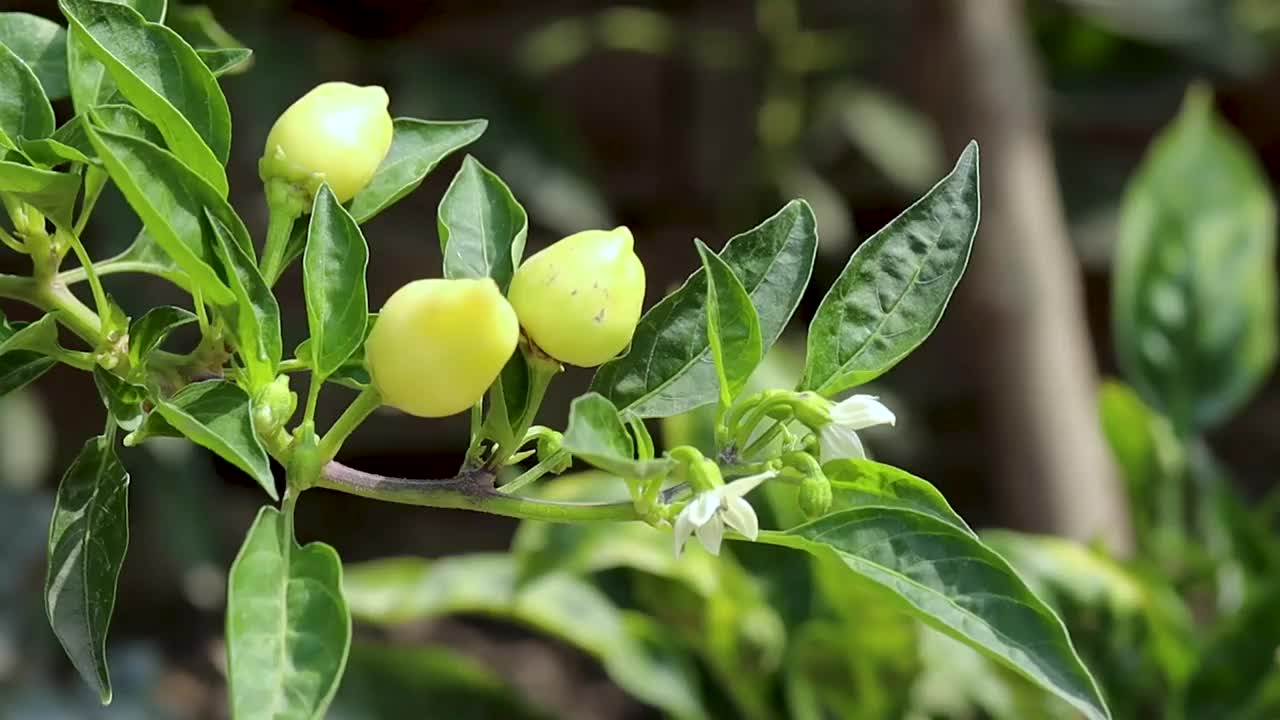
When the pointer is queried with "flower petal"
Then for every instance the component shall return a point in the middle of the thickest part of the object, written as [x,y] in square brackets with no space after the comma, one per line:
[838,443]
[862,411]
[684,528]
[739,515]
[703,507]
[744,485]
[711,534]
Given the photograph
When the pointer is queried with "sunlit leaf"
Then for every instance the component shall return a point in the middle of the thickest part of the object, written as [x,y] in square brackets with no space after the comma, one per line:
[950,580]
[596,434]
[891,295]
[24,109]
[669,368]
[172,200]
[216,415]
[482,226]
[42,45]
[334,281]
[161,75]
[733,328]
[255,317]
[288,627]
[417,147]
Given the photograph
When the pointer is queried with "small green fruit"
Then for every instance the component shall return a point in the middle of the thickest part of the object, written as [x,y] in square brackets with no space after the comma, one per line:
[580,299]
[338,133]
[439,344]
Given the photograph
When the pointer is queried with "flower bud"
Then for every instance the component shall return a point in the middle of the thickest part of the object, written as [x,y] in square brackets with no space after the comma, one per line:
[549,446]
[811,409]
[439,344]
[815,496]
[338,133]
[579,300]
[274,404]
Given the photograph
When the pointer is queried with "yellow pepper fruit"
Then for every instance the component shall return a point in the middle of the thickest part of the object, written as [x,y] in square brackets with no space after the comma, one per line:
[338,133]
[439,344]
[579,300]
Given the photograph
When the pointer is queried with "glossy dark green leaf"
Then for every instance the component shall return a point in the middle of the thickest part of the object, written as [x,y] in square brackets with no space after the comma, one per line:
[51,153]
[122,119]
[147,332]
[40,336]
[122,398]
[22,367]
[255,317]
[216,415]
[733,329]
[1194,291]
[88,537]
[226,61]
[288,627]
[946,577]
[161,75]
[508,402]
[891,295]
[865,483]
[417,147]
[392,682]
[144,255]
[596,434]
[669,369]
[25,112]
[171,199]
[333,277]
[353,373]
[297,243]
[42,45]
[89,82]
[482,226]
[19,367]
[52,193]
[408,589]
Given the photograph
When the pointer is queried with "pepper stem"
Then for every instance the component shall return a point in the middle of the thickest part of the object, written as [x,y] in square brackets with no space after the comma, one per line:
[285,204]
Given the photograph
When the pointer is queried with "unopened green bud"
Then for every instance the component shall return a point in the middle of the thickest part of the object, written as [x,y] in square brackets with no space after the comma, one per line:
[815,496]
[550,444]
[811,409]
[274,404]
[705,475]
[338,134]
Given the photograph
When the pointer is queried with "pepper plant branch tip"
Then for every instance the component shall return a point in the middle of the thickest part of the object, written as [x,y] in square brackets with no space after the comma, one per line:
[469,490]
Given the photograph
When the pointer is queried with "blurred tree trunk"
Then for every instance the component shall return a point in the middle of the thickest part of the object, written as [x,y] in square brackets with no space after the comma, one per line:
[1023,297]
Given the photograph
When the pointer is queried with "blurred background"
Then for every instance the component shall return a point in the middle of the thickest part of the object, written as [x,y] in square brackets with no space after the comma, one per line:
[680,119]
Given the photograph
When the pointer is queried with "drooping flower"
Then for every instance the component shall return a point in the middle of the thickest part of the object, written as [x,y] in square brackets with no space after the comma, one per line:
[838,439]
[707,514]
